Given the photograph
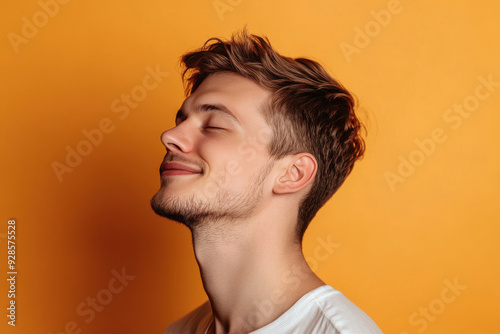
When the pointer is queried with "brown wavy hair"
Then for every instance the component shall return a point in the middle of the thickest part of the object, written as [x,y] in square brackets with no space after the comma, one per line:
[308,111]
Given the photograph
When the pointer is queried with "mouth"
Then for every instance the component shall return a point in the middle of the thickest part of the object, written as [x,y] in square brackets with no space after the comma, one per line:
[176,168]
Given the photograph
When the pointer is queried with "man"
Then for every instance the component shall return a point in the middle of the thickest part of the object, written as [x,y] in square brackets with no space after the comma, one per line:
[260,144]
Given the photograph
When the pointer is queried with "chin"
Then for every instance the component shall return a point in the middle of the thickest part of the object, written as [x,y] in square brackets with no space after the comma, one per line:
[165,206]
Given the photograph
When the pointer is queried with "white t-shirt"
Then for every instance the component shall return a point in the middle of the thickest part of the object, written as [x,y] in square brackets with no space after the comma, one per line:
[323,310]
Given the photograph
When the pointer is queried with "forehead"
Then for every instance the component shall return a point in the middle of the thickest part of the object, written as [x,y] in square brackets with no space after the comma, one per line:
[241,96]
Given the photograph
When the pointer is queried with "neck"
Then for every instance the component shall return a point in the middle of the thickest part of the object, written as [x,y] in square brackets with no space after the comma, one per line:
[252,272]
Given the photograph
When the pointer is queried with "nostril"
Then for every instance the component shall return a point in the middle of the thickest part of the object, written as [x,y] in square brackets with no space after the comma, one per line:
[176,147]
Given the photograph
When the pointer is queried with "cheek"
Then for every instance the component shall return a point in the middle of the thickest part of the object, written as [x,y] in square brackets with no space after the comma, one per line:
[234,160]
[221,158]
[231,169]
[241,171]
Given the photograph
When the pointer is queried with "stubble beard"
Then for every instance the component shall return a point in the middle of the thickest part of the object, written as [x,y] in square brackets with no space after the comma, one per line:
[224,204]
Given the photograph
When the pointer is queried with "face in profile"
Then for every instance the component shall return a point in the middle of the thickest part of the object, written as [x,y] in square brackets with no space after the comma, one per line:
[217,159]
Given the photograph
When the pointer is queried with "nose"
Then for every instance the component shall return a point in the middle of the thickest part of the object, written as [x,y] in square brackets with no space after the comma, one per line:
[177,139]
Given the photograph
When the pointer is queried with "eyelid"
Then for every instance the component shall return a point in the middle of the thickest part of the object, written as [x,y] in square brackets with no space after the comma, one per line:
[214,127]
[180,117]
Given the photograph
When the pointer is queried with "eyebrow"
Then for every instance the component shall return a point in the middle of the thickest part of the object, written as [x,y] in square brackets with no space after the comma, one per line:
[208,107]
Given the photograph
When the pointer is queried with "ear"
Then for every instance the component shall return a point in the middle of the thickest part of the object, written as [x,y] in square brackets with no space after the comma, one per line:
[299,171]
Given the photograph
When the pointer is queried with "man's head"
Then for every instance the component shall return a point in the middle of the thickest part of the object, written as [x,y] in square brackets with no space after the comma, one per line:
[217,158]
[305,110]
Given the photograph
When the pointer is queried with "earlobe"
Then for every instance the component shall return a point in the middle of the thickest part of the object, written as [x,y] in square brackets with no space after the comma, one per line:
[297,174]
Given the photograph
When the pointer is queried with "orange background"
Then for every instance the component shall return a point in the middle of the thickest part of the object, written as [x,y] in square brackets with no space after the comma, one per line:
[395,245]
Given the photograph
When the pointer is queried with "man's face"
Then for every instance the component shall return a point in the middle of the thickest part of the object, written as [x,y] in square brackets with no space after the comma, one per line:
[217,158]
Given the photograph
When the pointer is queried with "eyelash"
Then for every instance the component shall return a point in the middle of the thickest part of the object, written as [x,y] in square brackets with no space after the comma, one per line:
[207,127]
[213,127]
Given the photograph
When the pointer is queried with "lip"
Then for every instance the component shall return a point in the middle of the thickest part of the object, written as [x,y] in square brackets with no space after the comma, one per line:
[176,168]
